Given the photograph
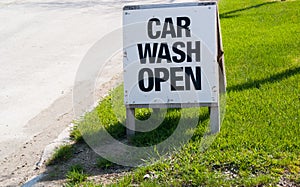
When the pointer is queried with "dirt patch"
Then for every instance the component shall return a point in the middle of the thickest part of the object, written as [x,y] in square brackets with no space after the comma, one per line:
[83,155]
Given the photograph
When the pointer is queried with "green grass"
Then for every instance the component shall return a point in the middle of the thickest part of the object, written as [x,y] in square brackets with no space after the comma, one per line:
[63,153]
[259,142]
[76,175]
[103,163]
[76,135]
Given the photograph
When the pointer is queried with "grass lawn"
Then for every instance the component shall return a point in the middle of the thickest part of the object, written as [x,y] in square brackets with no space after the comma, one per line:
[259,142]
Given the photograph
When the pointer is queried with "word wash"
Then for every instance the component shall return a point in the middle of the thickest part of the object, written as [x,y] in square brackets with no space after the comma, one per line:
[180,51]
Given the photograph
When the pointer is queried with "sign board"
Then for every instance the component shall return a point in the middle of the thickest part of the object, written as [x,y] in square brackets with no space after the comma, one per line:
[170,53]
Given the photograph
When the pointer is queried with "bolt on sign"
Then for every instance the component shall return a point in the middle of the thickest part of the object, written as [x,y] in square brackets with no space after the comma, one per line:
[173,57]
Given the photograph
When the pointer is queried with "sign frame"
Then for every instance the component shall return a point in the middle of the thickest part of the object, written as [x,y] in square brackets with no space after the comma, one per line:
[214,107]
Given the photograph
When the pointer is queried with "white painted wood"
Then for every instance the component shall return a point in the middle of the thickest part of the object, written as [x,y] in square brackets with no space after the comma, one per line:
[171,105]
[130,122]
[214,119]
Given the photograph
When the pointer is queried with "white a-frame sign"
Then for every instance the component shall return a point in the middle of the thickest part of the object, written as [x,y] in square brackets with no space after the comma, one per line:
[173,58]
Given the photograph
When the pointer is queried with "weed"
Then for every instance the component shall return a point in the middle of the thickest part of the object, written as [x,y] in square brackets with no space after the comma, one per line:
[76,135]
[103,163]
[61,154]
[76,177]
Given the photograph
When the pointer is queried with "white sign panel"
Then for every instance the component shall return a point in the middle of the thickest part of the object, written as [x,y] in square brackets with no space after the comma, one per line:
[170,53]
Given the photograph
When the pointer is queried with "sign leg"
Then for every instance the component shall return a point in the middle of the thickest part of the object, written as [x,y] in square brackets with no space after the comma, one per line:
[156,110]
[130,121]
[214,119]
[222,82]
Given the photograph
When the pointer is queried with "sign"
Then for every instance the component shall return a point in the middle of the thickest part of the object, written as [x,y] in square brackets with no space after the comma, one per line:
[170,53]
[173,58]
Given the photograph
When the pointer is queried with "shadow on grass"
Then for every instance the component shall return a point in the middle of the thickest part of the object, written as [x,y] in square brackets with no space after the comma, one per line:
[168,126]
[271,79]
[175,128]
[232,14]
